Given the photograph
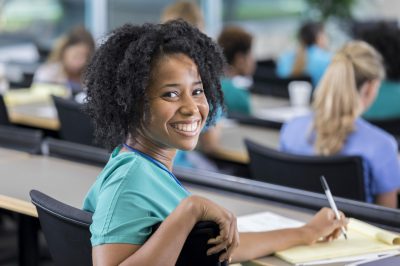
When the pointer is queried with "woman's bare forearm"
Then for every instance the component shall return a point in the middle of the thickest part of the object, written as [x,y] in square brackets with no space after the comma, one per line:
[260,244]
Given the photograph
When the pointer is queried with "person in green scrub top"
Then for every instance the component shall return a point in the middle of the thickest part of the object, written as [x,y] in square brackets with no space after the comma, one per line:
[385,38]
[236,44]
[151,89]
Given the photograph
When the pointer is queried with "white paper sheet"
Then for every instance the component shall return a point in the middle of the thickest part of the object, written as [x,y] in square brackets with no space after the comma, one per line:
[265,221]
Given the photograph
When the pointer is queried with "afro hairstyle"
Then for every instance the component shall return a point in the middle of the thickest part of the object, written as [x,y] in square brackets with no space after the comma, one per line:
[118,76]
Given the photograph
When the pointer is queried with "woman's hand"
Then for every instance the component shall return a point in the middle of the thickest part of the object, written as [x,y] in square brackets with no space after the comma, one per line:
[228,238]
[324,226]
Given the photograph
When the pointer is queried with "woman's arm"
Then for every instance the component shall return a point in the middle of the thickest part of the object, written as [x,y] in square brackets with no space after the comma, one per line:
[388,199]
[255,245]
[165,245]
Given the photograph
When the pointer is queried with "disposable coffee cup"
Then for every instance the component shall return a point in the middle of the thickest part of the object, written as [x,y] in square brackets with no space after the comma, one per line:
[299,93]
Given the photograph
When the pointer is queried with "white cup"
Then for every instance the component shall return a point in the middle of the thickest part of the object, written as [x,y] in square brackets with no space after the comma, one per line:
[299,93]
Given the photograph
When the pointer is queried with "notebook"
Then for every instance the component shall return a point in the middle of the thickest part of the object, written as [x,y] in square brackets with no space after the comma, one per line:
[363,238]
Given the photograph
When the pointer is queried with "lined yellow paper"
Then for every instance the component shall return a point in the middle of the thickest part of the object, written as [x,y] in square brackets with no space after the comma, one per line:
[363,238]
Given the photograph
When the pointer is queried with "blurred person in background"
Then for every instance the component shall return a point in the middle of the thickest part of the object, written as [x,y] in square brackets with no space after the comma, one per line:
[311,57]
[236,44]
[386,39]
[186,10]
[348,87]
[67,61]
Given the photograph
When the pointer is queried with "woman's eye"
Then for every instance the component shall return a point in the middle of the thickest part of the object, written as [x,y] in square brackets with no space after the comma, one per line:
[171,94]
[198,91]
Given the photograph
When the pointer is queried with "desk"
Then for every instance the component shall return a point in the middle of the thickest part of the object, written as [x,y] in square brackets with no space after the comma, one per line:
[233,135]
[69,181]
[40,115]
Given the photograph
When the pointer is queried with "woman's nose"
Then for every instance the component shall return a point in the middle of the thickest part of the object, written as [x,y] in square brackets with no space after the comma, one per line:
[188,106]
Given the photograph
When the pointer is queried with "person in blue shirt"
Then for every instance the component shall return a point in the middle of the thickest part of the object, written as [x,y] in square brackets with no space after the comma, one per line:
[348,87]
[151,90]
[311,57]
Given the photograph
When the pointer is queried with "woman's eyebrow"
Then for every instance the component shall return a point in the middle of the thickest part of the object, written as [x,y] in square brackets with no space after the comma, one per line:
[175,85]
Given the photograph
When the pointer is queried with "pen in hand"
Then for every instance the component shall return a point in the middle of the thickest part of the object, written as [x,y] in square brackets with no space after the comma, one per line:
[332,203]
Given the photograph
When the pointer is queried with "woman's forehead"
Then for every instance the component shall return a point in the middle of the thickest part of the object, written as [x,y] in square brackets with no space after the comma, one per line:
[173,67]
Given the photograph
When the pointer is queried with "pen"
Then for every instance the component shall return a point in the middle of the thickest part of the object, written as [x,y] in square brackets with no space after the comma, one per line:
[332,202]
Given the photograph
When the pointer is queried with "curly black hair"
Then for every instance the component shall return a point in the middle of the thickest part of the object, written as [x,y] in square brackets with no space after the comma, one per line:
[385,38]
[117,78]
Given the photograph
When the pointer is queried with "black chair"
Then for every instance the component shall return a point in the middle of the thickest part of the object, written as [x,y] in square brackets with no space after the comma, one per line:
[275,86]
[344,174]
[254,121]
[265,68]
[23,139]
[3,112]
[66,230]
[392,125]
[75,151]
[75,125]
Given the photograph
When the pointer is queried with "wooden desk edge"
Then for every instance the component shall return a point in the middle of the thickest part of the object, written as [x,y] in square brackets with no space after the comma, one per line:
[19,206]
[230,155]
[45,123]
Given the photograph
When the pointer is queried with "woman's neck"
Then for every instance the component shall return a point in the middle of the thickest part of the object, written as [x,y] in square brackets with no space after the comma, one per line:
[231,71]
[163,155]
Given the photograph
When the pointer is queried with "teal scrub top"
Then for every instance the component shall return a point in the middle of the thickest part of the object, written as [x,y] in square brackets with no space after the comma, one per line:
[236,99]
[387,102]
[130,195]
[317,61]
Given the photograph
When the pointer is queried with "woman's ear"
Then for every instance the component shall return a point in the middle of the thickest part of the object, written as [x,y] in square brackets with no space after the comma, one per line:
[368,92]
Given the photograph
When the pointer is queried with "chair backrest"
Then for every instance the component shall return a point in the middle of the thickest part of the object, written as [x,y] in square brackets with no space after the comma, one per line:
[254,121]
[344,174]
[75,125]
[66,230]
[392,125]
[75,151]
[23,139]
[67,233]
[3,112]
[275,86]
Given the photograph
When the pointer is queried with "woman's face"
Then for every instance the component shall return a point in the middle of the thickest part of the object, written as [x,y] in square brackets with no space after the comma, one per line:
[75,58]
[178,105]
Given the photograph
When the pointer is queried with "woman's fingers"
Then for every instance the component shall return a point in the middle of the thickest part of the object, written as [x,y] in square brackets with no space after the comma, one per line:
[233,245]
[217,248]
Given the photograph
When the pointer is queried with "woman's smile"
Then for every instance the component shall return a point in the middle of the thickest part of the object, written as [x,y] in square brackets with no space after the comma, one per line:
[187,128]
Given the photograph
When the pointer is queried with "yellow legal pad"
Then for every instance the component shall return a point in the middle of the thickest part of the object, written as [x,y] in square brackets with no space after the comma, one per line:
[363,238]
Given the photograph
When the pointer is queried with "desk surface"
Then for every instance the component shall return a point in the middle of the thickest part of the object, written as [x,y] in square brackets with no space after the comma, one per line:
[41,115]
[69,182]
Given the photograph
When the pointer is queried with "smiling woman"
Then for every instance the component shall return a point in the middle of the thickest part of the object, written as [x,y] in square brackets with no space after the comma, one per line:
[177,102]
[151,89]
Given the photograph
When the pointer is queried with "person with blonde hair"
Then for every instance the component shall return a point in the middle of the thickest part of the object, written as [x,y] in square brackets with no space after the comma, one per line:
[185,10]
[348,87]
[67,61]
[311,57]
